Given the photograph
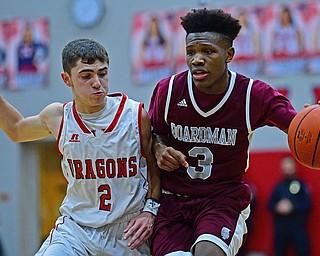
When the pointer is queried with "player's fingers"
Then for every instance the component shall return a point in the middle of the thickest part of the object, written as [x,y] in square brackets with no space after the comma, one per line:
[178,156]
[167,165]
[131,223]
[140,237]
[129,230]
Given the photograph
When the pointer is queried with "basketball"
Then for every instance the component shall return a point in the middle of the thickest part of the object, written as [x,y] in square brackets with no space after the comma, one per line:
[304,135]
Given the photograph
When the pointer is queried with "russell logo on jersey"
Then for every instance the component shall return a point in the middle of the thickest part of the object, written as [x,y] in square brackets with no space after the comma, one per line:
[74,138]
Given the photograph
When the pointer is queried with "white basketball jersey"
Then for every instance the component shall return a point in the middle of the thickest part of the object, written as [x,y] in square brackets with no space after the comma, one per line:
[102,162]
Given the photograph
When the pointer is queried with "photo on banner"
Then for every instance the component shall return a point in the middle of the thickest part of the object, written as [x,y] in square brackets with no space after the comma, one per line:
[152,47]
[275,40]
[248,46]
[25,61]
[311,15]
[3,58]
[285,51]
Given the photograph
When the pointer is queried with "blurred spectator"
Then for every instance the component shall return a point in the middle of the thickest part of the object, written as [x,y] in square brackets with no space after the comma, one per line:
[1,248]
[290,204]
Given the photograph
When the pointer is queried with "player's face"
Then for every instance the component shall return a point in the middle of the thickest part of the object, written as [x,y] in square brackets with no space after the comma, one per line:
[89,83]
[207,57]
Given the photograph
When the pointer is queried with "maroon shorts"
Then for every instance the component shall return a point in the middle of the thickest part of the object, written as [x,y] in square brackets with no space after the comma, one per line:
[184,221]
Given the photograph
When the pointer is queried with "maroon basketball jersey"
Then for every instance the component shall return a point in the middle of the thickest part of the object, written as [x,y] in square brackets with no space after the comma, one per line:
[213,131]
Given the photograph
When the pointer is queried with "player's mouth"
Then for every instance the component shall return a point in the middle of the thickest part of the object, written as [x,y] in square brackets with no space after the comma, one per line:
[199,74]
[98,94]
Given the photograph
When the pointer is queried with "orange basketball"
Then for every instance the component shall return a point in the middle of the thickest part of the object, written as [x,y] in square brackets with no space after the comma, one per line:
[304,137]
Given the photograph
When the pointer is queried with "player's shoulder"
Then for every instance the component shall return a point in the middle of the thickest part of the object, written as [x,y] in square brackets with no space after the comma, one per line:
[55,107]
[179,78]
[53,111]
[257,85]
[119,98]
[240,79]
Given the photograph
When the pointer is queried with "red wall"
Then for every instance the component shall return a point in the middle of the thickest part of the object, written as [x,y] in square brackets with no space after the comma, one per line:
[264,173]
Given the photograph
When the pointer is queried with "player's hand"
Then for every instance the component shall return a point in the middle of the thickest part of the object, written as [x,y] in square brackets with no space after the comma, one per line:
[169,159]
[308,104]
[139,229]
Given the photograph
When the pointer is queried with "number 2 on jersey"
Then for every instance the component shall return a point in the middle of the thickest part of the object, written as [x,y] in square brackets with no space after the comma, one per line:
[105,197]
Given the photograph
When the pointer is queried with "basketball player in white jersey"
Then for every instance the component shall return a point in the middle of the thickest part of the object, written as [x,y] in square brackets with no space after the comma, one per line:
[105,143]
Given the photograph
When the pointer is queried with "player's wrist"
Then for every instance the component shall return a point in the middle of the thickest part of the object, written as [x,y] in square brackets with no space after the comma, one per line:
[151,205]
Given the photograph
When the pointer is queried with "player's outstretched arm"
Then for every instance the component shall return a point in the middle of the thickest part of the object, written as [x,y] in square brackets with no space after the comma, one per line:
[168,158]
[141,227]
[21,129]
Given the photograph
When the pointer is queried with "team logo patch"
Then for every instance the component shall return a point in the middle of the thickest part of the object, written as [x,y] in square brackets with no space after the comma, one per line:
[225,233]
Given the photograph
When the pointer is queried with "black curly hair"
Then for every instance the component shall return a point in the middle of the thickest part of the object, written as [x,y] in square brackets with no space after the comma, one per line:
[215,20]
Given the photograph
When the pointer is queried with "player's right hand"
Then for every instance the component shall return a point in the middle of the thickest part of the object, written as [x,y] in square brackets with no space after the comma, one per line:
[169,159]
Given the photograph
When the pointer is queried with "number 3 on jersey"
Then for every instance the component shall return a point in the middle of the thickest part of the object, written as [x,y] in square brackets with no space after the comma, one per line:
[205,163]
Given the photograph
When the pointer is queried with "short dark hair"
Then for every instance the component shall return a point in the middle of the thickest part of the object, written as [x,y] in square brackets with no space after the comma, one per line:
[87,50]
[215,20]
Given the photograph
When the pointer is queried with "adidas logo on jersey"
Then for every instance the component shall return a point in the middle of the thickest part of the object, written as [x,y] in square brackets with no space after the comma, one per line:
[74,138]
[182,103]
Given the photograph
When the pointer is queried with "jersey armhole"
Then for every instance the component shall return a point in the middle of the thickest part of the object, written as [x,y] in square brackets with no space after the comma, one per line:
[140,107]
[248,121]
[166,110]
[60,130]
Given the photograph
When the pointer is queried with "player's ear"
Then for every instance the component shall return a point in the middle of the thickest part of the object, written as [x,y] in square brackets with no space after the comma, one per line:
[66,79]
[230,53]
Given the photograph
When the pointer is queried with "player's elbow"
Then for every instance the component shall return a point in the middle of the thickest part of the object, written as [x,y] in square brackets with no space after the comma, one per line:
[14,137]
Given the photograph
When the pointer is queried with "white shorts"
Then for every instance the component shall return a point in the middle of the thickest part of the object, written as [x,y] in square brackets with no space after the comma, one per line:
[69,238]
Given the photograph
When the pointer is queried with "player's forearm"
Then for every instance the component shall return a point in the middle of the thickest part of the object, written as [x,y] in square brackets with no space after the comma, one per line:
[158,142]
[154,179]
[9,119]
[152,203]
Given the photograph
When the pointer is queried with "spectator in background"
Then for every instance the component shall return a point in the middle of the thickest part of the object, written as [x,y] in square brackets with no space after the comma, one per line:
[1,250]
[290,204]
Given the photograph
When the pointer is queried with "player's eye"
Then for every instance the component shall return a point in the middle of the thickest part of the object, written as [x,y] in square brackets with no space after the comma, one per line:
[190,53]
[86,76]
[103,74]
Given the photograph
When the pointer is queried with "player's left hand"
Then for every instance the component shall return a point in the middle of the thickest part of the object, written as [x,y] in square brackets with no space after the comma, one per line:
[139,229]
[308,104]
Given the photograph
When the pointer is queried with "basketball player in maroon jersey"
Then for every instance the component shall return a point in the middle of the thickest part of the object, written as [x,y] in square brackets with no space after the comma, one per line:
[203,120]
